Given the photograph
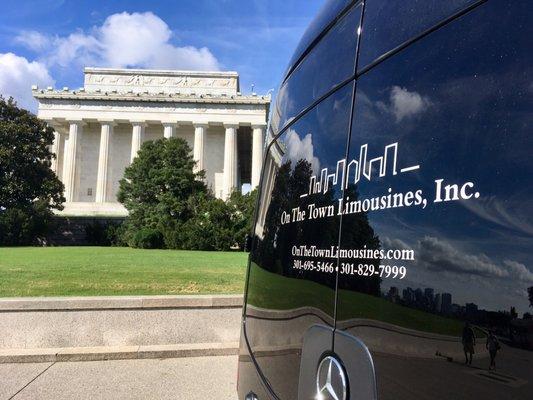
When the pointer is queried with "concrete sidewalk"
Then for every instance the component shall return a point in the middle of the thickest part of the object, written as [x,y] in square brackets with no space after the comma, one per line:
[177,378]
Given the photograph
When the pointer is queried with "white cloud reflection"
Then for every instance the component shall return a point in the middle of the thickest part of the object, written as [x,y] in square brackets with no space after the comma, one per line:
[298,149]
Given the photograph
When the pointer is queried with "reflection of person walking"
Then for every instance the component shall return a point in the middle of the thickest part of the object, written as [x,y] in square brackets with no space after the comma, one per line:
[492,346]
[469,341]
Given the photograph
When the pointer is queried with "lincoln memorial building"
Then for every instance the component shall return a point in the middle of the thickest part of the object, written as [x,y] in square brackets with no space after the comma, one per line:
[100,128]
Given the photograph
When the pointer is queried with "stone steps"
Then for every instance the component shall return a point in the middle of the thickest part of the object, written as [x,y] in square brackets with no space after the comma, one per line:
[95,328]
[117,352]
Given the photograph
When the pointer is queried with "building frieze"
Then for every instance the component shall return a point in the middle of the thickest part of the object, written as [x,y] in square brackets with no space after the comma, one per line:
[149,97]
[61,104]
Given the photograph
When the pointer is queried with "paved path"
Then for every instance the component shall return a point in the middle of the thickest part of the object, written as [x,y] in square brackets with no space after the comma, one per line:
[177,378]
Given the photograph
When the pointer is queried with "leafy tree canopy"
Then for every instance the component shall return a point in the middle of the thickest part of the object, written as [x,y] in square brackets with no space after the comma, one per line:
[29,189]
[25,159]
[164,196]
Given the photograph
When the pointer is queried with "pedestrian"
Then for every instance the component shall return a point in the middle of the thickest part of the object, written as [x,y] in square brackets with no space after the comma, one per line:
[492,345]
[469,343]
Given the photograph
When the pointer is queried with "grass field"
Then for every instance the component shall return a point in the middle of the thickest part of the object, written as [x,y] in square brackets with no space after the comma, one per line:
[95,271]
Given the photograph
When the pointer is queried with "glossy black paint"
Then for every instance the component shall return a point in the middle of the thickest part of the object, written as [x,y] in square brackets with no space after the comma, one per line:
[458,105]
[283,301]
[390,23]
[327,15]
[452,113]
[334,54]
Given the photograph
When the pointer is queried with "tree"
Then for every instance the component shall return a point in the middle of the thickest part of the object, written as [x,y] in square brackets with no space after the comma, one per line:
[241,208]
[211,227]
[29,189]
[157,187]
[170,206]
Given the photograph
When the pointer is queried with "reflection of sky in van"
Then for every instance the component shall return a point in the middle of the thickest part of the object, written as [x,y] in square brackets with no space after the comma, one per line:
[400,16]
[460,267]
[466,119]
[331,62]
[319,137]
[301,148]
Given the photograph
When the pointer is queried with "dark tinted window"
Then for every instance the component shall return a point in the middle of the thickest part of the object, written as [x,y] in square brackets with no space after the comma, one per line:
[329,63]
[330,10]
[443,144]
[389,23]
[289,291]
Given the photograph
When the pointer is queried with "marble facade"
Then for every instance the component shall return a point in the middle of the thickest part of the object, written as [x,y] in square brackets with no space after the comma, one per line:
[100,128]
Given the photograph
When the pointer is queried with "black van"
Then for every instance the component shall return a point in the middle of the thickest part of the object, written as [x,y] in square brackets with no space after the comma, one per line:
[392,251]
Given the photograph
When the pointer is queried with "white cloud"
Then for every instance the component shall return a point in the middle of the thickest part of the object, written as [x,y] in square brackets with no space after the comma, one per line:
[133,39]
[471,276]
[405,104]
[511,214]
[123,40]
[33,40]
[439,255]
[77,47]
[17,75]
[298,149]
[436,254]
[519,271]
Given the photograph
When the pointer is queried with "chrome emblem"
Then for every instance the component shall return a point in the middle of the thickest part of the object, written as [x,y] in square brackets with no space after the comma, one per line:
[330,380]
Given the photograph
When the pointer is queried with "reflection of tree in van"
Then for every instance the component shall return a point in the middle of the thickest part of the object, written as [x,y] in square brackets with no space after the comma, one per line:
[274,251]
[358,234]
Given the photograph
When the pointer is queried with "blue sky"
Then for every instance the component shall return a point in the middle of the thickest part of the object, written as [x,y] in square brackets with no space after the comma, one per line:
[48,42]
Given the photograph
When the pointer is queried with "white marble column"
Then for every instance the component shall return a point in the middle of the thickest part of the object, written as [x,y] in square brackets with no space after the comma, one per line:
[169,129]
[230,159]
[71,160]
[56,148]
[200,131]
[258,132]
[137,137]
[102,178]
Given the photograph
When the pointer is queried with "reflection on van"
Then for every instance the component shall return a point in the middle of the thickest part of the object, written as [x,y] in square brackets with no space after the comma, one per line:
[394,230]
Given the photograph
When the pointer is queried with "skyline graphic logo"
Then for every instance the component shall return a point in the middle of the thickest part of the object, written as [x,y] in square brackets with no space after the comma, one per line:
[358,169]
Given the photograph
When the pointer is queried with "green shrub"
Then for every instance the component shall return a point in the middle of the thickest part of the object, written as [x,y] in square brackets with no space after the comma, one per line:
[209,227]
[147,238]
[24,226]
[105,234]
[116,234]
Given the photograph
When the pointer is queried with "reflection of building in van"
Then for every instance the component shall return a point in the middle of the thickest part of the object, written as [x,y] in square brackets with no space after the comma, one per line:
[271,165]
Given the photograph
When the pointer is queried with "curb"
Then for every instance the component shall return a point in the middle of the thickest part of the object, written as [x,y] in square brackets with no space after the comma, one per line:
[119,303]
[117,353]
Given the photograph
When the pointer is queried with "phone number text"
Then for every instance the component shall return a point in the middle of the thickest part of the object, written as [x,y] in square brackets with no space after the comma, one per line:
[383,271]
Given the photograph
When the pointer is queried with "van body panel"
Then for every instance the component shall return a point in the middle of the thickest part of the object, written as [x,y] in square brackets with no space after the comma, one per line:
[395,207]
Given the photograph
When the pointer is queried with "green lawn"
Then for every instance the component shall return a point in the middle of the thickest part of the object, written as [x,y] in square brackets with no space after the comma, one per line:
[95,271]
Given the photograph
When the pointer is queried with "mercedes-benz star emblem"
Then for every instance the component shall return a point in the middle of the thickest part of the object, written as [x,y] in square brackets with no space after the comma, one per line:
[330,380]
